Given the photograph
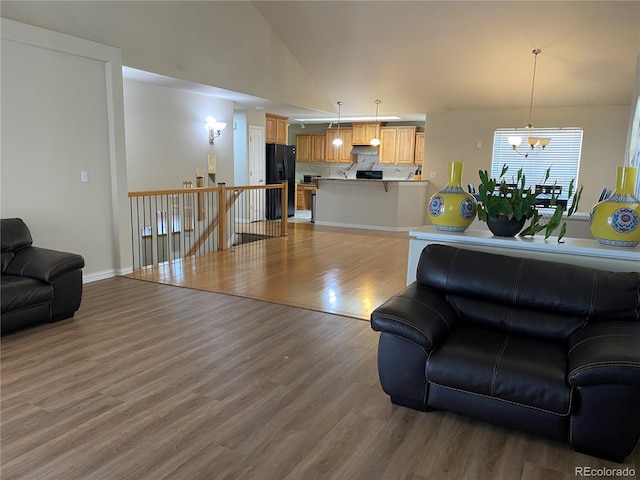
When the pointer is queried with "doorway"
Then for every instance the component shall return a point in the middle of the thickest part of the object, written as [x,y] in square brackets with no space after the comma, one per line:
[257,169]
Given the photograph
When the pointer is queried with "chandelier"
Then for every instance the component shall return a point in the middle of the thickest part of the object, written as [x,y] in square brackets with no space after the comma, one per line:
[531,141]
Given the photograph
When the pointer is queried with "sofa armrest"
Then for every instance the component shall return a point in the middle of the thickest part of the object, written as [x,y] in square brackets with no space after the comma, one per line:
[605,353]
[43,264]
[418,314]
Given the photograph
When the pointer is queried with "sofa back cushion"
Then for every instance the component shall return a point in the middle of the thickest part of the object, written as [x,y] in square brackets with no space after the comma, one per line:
[521,321]
[512,292]
[6,259]
[14,235]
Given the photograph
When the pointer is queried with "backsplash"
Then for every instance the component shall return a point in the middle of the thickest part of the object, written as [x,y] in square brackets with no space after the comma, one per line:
[348,170]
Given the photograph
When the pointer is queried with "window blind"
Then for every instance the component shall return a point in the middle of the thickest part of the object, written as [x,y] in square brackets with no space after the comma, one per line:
[562,155]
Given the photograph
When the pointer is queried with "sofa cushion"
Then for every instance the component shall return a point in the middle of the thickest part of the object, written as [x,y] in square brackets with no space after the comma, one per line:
[20,292]
[496,364]
[521,321]
[528,283]
[14,234]
[43,264]
[605,353]
[6,259]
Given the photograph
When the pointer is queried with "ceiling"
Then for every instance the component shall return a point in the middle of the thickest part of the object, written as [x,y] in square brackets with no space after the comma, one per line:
[426,56]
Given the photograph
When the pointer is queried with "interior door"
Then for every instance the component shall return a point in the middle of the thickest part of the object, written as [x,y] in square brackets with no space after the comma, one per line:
[257,174]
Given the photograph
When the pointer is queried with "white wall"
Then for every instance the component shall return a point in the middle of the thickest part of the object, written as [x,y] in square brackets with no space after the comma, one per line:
[240,146]
[452,136]
[633,135]
[225,44]
[166,136]
[61,115]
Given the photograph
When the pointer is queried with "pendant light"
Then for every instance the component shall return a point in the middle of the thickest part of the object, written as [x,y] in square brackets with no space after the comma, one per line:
[375,141]
[337,142]
[532,142]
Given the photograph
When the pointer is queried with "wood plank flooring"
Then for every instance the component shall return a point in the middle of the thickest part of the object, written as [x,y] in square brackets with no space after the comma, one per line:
[151,381]
[344,271]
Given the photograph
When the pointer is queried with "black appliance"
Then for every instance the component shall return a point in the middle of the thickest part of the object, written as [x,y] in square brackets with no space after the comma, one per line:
[369,174]
[309,178]
[281,166]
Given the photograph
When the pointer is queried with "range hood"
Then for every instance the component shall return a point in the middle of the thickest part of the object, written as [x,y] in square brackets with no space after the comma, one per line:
[364,150]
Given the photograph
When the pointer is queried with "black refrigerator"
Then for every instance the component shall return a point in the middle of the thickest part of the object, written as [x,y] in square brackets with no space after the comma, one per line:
[281,166]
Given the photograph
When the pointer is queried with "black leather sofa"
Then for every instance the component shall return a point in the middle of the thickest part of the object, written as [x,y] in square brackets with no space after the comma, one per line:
[38,285]
[544,347]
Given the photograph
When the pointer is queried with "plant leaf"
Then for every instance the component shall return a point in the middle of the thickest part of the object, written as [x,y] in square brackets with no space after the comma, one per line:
[563,230]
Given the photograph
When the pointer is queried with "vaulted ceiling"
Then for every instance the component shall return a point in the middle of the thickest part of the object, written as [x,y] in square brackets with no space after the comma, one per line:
[417,57]
[426,56]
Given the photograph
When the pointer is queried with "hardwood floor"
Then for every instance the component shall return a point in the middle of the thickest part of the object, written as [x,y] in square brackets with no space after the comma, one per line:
[344,271]
[151,381]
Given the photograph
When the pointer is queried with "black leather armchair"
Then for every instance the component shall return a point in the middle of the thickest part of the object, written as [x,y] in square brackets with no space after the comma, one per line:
[545,347]
[38,284]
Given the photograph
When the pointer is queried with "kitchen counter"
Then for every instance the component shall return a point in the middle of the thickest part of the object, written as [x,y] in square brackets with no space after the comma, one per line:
[383,182]
[394,205]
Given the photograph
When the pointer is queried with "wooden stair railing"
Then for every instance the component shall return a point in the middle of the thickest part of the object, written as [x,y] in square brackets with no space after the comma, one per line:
[144,204]
[219,221]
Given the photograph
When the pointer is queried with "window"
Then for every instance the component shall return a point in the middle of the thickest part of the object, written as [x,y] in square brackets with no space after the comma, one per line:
[562,155]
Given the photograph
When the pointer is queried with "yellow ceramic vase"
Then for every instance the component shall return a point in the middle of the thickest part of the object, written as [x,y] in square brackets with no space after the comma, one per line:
[452,209]
[616,220]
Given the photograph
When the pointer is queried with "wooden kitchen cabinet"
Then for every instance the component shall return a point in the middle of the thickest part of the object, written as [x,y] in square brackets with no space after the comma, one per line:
[364,132]
[303,196]
[317,148]
[277,129]
[419,155]
[388,147]
[310,148]
[303,148]
[270,129]
[340,154]
[397,144]
[406,145]
[300,197]
[347,145]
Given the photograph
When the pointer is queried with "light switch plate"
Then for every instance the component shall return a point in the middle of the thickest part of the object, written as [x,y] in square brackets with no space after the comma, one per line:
[84,176]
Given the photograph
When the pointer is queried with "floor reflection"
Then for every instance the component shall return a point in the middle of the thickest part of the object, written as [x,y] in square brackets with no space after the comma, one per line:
[335,270]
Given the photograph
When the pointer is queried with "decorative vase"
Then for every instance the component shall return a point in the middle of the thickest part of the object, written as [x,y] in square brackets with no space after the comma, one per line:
[503,226]
[452,209]
[616,220]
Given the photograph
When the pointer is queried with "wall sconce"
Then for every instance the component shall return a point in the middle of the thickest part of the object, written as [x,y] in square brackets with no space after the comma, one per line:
[215,128]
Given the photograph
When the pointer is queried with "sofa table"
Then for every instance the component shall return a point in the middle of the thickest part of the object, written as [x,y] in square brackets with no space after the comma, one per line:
[577,251]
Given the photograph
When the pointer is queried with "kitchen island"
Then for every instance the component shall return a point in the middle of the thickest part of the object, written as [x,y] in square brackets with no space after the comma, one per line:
[392,205]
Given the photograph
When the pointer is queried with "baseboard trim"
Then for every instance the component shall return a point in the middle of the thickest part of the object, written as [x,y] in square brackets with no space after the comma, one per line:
[365,227]
[104,274]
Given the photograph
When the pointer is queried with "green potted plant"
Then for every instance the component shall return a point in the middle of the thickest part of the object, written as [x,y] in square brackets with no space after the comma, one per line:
[506,207]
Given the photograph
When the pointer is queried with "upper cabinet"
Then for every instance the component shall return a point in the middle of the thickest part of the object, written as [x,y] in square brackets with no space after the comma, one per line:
[364,132]
[303,148]
[310,148]
[340,154]
[277,129]
[397,144]
[317,148]
[419,155]
[400,145]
